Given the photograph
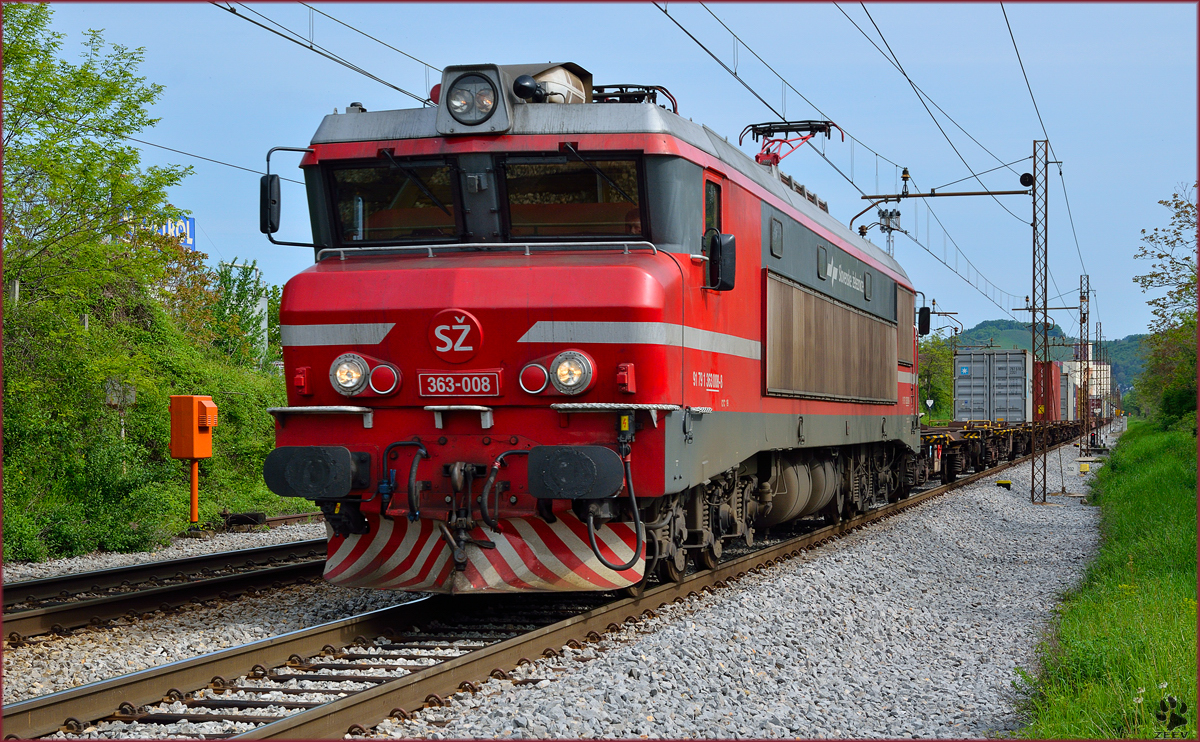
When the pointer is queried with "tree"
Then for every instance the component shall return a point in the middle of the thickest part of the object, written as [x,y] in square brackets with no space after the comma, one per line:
[237,314]
[75,195]
[104,298]
[1171,251]
[935,377]
[1167,385]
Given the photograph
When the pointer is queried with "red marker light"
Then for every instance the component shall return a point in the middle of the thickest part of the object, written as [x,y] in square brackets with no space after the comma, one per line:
[435,92]
[534,378]
[384,379]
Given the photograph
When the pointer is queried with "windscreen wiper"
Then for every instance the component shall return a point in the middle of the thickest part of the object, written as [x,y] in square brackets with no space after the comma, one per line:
[600,172]
[412,175]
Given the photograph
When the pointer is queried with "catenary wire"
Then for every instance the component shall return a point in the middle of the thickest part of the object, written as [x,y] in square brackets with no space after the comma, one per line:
[315,48]
[372,38]
[208,159]
[1070,216]
[784,80]
[1023,73]
[895,64]
[777,113]
[102,130]
[931,100]
[1042,123]
[935,121]
[985,172]
[773,110]
[959,251]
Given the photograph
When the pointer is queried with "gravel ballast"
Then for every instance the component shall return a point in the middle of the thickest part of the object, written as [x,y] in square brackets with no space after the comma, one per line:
[179,548]
[909,628]
[50,664]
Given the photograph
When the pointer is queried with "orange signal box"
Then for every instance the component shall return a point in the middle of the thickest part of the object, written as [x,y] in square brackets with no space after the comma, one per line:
[193,417]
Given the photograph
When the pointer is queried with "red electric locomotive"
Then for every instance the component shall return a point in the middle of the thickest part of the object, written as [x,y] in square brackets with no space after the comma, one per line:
[558,337]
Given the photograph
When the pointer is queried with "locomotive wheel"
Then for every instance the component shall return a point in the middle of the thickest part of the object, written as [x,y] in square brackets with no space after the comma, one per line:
[670,570]
[704,558]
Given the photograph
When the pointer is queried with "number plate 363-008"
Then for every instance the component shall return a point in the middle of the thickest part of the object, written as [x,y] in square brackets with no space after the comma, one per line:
[458,383]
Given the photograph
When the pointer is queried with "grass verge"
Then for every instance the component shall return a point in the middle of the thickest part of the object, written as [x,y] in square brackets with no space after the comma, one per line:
[1124,643]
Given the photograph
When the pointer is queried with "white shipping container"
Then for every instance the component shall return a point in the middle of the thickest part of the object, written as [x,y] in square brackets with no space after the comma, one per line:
[992,384]
[1069,396]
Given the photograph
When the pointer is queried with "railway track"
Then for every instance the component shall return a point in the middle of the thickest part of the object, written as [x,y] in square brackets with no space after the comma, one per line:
[60,604]
[324,681]
[243,520]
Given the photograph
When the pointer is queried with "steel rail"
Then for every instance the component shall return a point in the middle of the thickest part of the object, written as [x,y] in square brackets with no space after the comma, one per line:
[294,518]
[63,617]
[50,588]
[46,714]
[145,594]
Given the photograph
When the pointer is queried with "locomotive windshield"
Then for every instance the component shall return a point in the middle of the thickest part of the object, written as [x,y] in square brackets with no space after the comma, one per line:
[398,201]
[564,197]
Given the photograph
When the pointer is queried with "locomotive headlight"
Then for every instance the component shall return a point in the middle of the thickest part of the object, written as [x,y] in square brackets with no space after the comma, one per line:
[485,99]
[348,374]
[571,372]
[472,99]
[460,102]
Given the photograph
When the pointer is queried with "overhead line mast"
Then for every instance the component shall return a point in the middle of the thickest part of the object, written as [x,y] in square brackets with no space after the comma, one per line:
[1084,356]
[1039,322]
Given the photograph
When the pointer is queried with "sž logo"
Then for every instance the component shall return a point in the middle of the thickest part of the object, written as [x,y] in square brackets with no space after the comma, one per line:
[455,335]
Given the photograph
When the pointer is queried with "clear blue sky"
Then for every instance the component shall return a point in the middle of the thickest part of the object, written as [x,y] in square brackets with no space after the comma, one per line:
[1116,85]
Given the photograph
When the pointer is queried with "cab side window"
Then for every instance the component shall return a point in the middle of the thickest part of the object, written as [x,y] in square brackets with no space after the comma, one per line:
[712,206]
[712,220]
[777,238]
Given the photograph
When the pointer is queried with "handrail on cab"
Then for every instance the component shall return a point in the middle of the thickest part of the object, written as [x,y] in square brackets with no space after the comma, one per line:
[527,245]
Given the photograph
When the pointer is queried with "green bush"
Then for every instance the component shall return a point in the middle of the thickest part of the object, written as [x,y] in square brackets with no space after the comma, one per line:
[72,484]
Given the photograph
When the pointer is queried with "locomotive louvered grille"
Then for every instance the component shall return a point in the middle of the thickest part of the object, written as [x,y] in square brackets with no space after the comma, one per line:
[904,325]
[818,347]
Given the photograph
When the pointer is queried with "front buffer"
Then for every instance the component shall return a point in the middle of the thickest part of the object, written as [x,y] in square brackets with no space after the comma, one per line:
[382,541]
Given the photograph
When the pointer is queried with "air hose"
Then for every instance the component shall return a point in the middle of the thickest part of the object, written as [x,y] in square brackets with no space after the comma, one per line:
[414,505]
[492,522]
[640,542]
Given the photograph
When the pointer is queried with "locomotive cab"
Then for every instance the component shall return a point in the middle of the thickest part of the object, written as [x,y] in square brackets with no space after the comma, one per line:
[557,337]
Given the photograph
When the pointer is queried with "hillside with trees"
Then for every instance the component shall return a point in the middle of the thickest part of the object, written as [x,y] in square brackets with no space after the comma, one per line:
[1126,354]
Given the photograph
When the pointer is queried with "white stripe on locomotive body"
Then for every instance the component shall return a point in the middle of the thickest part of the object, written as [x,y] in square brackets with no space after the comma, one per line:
[522,570]
[407,544]
[359,333]
[406,581]
[642,333]
[906,377]
[432,542]
[549,559]
[429,554]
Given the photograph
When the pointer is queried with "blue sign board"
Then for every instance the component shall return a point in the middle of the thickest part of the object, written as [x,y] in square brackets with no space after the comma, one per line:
[964,370]
[184,229]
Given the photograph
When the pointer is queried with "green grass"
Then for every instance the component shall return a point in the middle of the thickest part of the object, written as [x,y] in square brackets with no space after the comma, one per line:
[1130,627]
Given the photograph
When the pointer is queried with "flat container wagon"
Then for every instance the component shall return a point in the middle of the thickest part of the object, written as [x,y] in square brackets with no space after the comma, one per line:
[992,384]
